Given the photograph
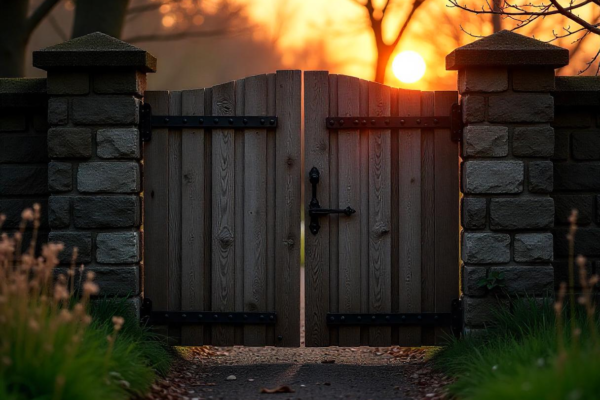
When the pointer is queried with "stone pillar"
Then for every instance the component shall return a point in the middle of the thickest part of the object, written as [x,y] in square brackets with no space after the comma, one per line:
[95,86]
[505,81]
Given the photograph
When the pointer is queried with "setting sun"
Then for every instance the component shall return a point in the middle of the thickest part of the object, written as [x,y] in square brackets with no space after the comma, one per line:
[408,66]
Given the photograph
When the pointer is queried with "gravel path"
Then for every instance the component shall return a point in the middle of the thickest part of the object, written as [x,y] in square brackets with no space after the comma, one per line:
[330,373]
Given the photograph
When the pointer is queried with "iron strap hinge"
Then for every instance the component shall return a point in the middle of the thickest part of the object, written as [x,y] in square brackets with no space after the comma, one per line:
[452,122]
[452,319]
[149,122]
[151,317]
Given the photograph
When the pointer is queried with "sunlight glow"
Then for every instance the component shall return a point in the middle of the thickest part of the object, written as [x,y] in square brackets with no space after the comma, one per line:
[408,66]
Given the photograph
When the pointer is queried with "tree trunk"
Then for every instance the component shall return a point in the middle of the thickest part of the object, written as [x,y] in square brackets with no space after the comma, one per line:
[496,20]
[13,37]
[383,59]
[106,16]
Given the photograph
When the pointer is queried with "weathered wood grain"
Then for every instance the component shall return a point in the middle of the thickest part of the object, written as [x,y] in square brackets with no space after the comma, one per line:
[333,192]
[380,193]
[239,139]
[208,237]
[363,213]
[271,190]
[223,213]
[193,260]
[156,209]
[287,205]
[255,209]
[409,214]
[427,219]
[317,271]
[349,196]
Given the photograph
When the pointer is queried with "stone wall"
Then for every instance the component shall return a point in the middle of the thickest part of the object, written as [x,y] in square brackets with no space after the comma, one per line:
[23,154]
[95,86]
[577,170]
[507,172]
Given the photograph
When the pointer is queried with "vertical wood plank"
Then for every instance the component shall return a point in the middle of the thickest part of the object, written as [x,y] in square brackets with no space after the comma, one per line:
[174,226]
[349,195]
[380,290]
[239,138]
[271,208]
[363,214]
[334,255]
[223,213]
[395,234]
[287,206]
[193,214]
[427,219]
[156,210]
[446,212]
[409,214]
[316,141]
[255,211]
[208,237]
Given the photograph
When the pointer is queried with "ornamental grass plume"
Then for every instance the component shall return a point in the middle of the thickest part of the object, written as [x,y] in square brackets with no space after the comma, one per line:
[48,346]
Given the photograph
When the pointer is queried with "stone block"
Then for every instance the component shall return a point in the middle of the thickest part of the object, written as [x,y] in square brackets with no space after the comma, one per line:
[106,212]
[485,141]
[17,148]
[561,144]
[534,247]
[527,280]
[485,177]
[521,108]
[481,311]
[533,141]
[68,83]
[122,110]
[474,212]
[70,143]
[120,82]
[40,122]
[486,248]
[59,211]
[58,111]
[81,240]
[564,205]
[23,180]
[108,177]
[117,248]
[473,108]
[541,176]
[587,242]
[118,143]
[471,277]
[482,80]
[60,176]
[522,213]
[13,208]
[113,281]
[581,177]
[533,80]
[586,145]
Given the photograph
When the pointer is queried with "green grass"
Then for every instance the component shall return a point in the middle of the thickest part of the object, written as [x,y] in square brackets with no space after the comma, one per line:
[521,358]
[44,367]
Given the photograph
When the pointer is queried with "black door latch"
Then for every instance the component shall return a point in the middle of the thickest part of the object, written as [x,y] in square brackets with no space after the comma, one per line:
[314,208]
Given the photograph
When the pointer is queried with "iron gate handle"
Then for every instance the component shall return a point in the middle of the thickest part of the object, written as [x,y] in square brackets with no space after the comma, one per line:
[314,208]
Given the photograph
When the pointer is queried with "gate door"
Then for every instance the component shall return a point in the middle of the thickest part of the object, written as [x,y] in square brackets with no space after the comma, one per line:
[222,211]
[382,213]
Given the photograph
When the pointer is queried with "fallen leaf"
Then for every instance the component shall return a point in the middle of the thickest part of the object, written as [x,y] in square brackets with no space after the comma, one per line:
[231,378]
[280,389]
[328,362]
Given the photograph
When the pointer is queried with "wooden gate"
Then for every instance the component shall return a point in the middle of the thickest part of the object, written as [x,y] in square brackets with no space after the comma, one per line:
[222,213]
[398,253]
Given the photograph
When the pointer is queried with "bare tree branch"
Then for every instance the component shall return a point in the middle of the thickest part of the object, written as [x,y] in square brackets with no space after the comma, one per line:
[166,37]
[39,14]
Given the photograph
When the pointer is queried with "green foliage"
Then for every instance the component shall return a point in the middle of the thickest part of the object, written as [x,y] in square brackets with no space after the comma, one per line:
[525,355]
[494,280]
